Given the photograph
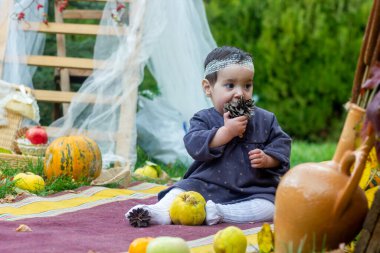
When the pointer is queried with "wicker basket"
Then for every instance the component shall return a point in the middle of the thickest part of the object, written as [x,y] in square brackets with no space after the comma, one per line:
[8,135]
[20,161]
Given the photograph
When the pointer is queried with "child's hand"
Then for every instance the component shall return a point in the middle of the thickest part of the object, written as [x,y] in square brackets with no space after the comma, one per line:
[235,126]
[261,160]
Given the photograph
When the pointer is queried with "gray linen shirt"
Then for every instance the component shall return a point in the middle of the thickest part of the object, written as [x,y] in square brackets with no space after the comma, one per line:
[224,174]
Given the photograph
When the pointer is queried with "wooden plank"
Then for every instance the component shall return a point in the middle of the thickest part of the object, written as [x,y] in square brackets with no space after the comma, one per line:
[64,78]
[99,1]
[374,243]
[80,72]
[70,28]
[61,62]
[82,14]
[369,236]
[67,96]
[96,135]
[127,115]
[53,96]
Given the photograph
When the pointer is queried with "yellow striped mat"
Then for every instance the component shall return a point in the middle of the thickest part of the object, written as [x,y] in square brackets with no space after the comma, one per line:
[34,206]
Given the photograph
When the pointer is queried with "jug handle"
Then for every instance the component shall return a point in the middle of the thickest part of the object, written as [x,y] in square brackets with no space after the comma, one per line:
[357,158]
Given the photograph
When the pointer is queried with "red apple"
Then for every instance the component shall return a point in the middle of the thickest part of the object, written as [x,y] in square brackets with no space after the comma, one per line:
[37,135]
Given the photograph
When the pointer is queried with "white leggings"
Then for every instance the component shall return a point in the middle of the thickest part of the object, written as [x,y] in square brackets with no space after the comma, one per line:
[254,210]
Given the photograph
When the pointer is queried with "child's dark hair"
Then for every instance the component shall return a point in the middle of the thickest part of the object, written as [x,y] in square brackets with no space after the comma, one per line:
[221,53]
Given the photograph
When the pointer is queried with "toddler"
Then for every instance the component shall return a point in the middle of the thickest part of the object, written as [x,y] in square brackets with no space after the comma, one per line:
[238,161]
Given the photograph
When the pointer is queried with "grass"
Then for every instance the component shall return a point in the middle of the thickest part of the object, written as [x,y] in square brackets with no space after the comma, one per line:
[301,152]
[7,186]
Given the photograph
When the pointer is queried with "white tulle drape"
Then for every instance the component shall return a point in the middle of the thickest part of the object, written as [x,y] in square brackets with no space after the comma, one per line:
[21,43]
[177,66]
[172,38]
[16,43]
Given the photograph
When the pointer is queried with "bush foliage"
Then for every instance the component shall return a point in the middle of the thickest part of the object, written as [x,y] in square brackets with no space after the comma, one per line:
[305,55]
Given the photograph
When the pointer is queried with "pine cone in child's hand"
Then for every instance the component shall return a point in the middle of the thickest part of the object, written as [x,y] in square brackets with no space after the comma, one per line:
[139,218]
[240,107]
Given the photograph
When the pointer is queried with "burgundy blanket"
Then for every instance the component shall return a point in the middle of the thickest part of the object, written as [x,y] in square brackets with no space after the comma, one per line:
[98,229]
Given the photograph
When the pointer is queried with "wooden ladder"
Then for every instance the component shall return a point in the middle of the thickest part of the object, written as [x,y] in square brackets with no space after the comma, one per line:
[71,66]
[64,76]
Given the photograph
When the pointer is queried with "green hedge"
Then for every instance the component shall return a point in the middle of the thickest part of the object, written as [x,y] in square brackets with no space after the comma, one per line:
[305,55]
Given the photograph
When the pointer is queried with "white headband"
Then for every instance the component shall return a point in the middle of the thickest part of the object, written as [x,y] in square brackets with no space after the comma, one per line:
[216,65]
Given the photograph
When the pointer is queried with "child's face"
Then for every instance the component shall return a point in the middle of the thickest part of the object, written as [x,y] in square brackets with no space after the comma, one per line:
[232,83]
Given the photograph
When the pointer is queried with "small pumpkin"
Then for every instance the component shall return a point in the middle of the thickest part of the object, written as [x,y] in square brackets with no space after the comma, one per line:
[75,156]
[29,181]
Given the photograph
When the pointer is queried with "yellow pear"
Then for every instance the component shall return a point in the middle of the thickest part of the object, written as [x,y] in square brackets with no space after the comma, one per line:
[230,240]
[147,171]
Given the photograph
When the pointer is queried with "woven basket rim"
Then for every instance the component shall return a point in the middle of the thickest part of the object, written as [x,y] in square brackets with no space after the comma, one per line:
[18,157]
[8,132]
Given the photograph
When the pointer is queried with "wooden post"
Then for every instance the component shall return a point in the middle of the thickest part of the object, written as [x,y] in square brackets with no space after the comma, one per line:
[366,51]
[369,240]
[63,73]
[128,108]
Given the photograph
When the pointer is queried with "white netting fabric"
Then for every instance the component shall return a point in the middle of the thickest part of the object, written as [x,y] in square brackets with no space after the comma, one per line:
[21,43]
[172,37]
[16,43]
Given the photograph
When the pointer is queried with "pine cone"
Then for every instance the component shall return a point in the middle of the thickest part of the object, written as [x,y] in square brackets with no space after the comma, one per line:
[139,218]
[240,107]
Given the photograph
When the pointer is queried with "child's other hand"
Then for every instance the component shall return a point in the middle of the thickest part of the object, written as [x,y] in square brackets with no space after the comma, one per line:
[235,126]
[261,160]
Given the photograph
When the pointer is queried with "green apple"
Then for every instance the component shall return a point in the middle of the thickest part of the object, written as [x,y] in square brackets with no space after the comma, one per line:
[168,244]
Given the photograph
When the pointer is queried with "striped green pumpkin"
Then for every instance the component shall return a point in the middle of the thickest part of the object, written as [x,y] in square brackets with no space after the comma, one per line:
[75,156]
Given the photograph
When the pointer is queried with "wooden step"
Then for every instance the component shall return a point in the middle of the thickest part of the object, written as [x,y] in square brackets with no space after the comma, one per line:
[80,72]
[100,136]
[100,1]
[76,73]
[61,62]
[67,97]
[70,28]
[53,96]
[82,14]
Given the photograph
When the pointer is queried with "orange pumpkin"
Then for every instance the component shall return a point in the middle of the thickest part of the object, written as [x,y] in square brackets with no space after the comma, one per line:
[75,156]
[139,245]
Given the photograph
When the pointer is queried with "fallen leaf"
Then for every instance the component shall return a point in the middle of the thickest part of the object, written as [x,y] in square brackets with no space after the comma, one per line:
[23,228]
[7,199]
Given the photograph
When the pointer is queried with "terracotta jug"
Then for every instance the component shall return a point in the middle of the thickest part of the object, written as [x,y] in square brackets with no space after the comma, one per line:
[320,205]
